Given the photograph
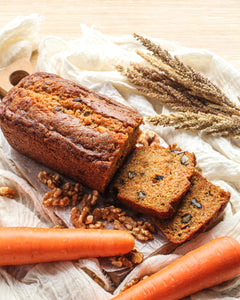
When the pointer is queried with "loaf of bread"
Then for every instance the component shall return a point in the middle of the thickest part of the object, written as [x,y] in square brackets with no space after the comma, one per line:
[69,128]
[154,179]
[200,207]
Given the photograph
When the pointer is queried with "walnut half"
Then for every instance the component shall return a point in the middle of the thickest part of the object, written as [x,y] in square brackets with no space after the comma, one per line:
[83,218]
[51,180]
[60,195]
[7,192]
[127,260]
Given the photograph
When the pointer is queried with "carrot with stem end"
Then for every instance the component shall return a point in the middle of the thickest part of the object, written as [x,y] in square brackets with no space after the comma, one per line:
[27,245]
[208,265]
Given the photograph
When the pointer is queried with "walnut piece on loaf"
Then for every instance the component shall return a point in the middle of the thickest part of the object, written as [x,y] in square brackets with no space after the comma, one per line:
[148,138]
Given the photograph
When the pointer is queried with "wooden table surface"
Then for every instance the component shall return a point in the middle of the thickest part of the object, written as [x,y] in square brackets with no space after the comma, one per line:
[213,25]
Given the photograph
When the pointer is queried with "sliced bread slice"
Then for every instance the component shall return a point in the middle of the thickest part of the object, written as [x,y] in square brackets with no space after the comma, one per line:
[154,179]
[201,206]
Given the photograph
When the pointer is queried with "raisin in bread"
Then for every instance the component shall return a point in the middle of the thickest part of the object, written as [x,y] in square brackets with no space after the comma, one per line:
[154,179]
[76,131]
[200,207]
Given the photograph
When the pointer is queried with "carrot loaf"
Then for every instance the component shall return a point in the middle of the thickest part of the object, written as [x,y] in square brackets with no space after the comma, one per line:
[200,207]
[154,179]
[76,131]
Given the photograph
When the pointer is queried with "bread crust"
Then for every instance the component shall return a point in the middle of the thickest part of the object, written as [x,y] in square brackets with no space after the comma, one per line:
[69,128]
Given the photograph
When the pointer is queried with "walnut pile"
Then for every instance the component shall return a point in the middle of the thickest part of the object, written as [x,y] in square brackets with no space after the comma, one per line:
[7,192]
[60,195]
[127,260]
[143,231]
[88,218]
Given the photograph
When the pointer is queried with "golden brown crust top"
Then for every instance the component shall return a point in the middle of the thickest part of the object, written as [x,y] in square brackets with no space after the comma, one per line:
[91,121]
[51,84]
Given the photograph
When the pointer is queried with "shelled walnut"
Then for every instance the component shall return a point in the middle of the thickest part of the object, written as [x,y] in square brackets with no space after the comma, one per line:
[127,260]
[60,195]
[7,192]
[148,138]
[73,191]
[55,198]
[83,218]
[51,180]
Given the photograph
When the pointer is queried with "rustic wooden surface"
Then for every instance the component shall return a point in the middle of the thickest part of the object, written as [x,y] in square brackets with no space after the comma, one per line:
[11,75]
[213,25]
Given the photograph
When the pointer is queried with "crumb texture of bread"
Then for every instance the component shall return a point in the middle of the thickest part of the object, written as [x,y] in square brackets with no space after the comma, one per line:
[201,206]
[154,179]
[76,131]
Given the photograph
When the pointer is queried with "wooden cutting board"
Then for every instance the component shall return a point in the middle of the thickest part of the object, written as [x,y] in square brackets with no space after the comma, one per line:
[13,73]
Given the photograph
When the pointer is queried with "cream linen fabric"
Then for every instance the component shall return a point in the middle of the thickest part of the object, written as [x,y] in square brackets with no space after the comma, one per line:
[91,60]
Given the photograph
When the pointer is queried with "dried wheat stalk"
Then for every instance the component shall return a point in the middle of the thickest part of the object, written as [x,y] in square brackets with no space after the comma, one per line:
[202,105]
[208,123]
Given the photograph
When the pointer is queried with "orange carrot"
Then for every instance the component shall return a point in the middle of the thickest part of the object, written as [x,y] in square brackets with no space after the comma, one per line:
[208,265]
[26,245]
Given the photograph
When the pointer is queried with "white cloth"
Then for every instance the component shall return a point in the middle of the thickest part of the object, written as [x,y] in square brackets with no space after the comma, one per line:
[91,60]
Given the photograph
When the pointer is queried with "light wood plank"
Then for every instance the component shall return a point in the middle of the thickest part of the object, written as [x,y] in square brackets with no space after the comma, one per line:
[213,25]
